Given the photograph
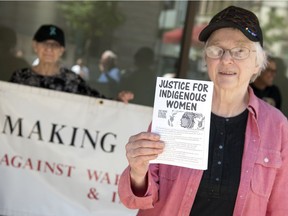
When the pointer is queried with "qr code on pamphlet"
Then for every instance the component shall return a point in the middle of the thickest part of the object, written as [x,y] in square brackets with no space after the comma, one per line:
[162,114]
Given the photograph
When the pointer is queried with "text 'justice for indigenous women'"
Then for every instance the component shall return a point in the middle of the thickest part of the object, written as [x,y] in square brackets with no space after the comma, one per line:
[182,95]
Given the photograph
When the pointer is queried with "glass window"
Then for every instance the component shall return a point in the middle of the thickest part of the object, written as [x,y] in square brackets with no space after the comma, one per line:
[145,38]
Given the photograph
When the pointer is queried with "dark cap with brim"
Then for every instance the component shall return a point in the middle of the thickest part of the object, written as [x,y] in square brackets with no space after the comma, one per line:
[234,17]
[50,32]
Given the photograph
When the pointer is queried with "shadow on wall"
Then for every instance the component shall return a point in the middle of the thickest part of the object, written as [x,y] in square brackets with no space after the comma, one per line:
[9,62]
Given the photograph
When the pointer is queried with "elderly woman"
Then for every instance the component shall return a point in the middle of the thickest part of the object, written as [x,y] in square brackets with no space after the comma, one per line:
[248,148]
[49,45]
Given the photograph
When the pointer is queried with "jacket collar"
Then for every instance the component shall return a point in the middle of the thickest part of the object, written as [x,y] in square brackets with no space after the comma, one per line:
[253,104]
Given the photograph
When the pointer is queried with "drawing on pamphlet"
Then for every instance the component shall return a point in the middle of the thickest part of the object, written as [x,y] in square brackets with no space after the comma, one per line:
[189,120]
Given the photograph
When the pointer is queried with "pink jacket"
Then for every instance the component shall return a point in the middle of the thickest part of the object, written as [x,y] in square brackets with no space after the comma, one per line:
[263,188]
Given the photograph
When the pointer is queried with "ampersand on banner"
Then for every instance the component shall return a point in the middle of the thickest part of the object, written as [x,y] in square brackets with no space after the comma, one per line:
[93,194]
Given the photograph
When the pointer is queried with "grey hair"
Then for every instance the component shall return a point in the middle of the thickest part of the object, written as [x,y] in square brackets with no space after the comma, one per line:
[108,60]
[109,54]
[261,58]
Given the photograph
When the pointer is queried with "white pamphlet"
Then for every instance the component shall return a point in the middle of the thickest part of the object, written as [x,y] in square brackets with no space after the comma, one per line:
[181,115]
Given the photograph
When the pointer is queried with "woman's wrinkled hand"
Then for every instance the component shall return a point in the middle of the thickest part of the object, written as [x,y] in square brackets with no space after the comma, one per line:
[140,149]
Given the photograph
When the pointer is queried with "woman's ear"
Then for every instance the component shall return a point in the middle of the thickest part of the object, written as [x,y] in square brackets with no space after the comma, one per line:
[62,50]
[34,45]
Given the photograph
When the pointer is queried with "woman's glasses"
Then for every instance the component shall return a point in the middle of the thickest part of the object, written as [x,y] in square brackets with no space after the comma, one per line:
[237,53]
[51,45]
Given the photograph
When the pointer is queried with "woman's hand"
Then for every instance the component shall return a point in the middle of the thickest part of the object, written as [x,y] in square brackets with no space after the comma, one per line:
[125,96]
[140,149]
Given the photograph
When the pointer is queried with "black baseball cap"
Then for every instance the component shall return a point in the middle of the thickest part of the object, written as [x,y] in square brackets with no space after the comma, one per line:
[50,32]
[234,17]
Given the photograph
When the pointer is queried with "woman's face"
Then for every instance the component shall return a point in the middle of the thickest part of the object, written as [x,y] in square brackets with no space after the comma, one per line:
[48,51]
[228,73]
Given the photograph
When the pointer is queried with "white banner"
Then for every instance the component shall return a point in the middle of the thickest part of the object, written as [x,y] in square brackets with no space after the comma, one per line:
[62,154]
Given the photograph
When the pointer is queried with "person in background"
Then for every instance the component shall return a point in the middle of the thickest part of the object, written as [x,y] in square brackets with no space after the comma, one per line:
[248,144]
[281,80]
[49,45]
[81,69]
[110,76]
[9,62]
[263,86]
[108,67]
